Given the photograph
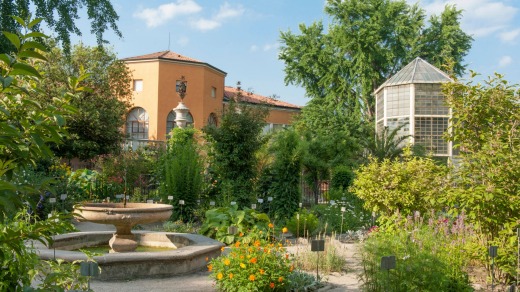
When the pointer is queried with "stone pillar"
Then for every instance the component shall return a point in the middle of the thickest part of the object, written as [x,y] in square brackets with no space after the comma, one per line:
[181,114]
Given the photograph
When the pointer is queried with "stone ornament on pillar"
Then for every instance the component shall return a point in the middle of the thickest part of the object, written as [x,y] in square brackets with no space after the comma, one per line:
[181,111]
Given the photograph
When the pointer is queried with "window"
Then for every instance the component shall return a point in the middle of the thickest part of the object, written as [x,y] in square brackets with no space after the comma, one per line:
[170,123]
[429,132]
[212,119]
[429,100]
[138,85]
[137,124]
[213,92]
[398,101]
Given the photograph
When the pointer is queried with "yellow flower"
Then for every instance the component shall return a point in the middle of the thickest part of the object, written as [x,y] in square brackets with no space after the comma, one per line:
[210,267]
[251,277]
[280,279]
[230,275]
[227,262]
[220,276]
[262,271]
[242,265]
[284,230]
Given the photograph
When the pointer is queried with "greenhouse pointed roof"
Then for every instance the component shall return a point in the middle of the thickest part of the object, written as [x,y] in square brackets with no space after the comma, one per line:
[417,71]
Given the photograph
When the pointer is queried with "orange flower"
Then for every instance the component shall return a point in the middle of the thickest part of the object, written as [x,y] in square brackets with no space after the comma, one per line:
[257,243]
[241,234]
[237,244]
[207,259]
[222,248]
[284,230]
[241,257]
[230,275]
[251,277]
[271,285]
[270,225]
[253,260]
[286,256]
[280,279]
[220,276]
[210,267]
[291,268]
[262,271]
[227,262]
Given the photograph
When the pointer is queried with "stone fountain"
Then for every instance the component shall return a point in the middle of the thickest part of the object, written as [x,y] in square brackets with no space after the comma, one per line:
[185,253]
[123,216]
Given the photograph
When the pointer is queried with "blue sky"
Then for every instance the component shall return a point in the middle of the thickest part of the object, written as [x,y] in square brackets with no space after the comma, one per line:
[242,37]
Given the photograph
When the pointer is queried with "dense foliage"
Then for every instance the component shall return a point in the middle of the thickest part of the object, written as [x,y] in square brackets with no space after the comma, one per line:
[182,173]
[487,180]
[366,43]
[413,184]
[59,16]
[234,145]
[94,129]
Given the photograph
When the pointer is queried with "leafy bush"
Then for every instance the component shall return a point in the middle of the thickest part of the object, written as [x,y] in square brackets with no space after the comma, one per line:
[429,257]
[355,216]
[305,226]
[180,227]
[182,172]
[248,223]
[254,266]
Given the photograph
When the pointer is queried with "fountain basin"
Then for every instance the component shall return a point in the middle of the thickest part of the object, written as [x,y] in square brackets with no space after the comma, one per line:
[123,217]
[189,256]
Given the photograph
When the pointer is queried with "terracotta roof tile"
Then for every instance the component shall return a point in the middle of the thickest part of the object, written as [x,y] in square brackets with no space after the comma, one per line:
[230,92]
[164,55]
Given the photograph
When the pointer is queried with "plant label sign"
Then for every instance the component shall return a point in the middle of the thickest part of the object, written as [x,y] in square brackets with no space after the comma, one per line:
[149,201]
[170,198]
[89,269]
[318,245]
[233,203]
[260,201]
[63,196]
[52,200]
[388,262]
[493,251]
[212,203]
[181,202]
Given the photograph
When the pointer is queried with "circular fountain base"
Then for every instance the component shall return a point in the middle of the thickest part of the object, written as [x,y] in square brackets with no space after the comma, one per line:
[188,254]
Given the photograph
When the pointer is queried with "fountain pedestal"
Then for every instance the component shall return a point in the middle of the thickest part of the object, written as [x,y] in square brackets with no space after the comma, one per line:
[123,218]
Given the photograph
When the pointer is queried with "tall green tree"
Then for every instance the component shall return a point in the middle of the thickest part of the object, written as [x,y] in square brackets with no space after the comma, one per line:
[96,127]
[234,146]
[59,16]
[367,42]
[485,128]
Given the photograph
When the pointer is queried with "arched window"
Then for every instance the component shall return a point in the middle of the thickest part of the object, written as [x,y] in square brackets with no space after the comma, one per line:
[137,124]
[189,120]
[170,123]
[212,119]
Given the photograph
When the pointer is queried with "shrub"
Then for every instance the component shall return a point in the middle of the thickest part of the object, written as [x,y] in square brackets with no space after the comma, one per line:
[182,172]
[355,216]
[305,226]
[248,222]
[254,266]
[429,257]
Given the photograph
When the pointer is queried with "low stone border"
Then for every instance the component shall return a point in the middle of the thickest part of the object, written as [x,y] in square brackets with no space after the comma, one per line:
[193,249]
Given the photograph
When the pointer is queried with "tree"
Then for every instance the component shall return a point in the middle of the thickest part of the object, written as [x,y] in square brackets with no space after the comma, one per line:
[59,15]
[285,170]
[367,42]
[485,129]
[234,146]
[96,127]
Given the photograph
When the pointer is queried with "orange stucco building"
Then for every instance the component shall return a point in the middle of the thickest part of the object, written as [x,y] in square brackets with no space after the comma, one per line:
[155,79]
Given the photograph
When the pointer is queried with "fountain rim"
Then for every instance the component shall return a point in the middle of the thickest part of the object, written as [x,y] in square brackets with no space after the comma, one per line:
[119,207]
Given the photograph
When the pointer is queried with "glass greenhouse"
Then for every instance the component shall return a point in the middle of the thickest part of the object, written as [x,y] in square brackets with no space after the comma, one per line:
[413,98]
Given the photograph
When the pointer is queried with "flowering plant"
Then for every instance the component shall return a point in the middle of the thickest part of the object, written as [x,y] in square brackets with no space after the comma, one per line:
[256,266]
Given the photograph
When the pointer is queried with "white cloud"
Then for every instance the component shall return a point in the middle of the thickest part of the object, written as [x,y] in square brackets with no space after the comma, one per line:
[504,61]
[253,48]
[510,36]
[479,17]
[157,16]
[225,12]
